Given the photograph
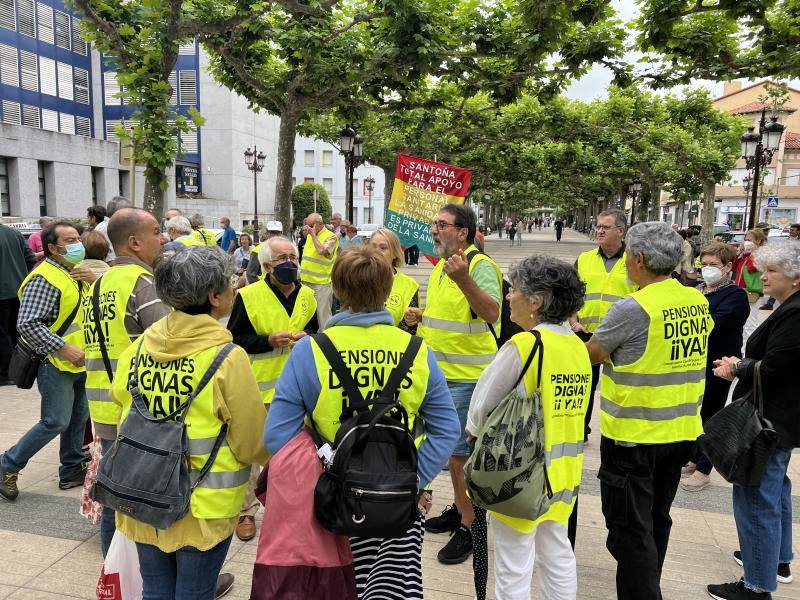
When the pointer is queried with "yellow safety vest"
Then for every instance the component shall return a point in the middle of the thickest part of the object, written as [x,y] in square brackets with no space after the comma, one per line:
[267,315]
[164,387]
[603,288]
[116,287]
[565,386]
[203,237]
[462,344]
[70,293]
[315,268]
[370,353]
[403,290]
[190,240]
[657,399]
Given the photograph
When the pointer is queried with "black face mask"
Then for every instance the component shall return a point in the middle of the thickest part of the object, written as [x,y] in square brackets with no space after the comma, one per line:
[285,273]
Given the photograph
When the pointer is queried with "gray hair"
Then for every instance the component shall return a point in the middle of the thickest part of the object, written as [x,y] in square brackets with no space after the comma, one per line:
[620,218]
[784,254]
[180,224]
[115,204]
[554,281]
[185,278]
[197,220]
[265,251]
[660,245]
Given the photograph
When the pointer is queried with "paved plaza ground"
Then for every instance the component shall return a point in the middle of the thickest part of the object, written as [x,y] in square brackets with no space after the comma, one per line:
[48,551]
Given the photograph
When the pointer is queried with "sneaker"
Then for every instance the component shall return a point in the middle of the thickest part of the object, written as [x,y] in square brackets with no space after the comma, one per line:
[448,521]
[736,591]
[687,470]
[765,307]
[784,570]
[8,484]
[458,548]
[694,484]
[224,585]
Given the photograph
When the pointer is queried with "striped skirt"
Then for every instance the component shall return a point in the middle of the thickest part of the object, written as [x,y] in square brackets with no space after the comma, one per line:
[389,569]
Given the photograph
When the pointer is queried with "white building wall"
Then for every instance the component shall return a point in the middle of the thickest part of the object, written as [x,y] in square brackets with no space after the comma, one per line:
[336,176]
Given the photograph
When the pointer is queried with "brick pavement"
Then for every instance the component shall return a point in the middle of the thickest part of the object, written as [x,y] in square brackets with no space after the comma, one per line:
[49,552]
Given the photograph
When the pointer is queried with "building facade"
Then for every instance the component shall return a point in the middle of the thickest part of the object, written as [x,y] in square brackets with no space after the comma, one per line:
[316,161]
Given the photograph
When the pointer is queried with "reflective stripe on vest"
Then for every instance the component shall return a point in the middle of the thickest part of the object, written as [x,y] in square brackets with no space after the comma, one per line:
[267,315]
[566,382]
[164,386]
[70,294]
[116,288]
[603,288]
[462,344]
[657,399]
[371,353]
[315,268]
[404,288]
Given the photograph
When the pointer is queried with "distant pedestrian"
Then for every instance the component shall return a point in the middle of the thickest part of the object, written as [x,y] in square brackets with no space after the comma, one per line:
[18,260]
[241,256]
[559,227]
[520,229]
[35,240]
[95,214]
[512,232]
[116,203]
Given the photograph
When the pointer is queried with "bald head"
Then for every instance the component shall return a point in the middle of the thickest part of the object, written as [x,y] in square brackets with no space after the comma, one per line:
[135,232]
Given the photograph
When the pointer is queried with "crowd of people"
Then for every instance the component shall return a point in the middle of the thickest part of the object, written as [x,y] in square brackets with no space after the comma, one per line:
[133,309]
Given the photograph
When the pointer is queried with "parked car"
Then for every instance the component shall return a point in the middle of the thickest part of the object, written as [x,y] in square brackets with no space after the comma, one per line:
[718,228]
[367,229]
[734,238]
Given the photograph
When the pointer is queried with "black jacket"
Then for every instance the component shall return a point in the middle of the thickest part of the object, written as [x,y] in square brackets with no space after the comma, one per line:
[729,308]
[776,343]
[17,261]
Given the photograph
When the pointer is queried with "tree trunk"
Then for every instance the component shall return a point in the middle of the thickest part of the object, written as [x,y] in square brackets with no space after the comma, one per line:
[153,197]
[283,176]
[389,172]
[709,194]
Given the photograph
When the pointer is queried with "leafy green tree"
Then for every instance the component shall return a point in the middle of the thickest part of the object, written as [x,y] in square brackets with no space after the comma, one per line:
[303,202]
[719,39]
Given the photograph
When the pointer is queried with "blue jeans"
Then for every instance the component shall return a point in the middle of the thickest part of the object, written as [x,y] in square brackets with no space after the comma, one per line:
[764,523]
[188,574]
[64,411]
[108,523]
[462,394]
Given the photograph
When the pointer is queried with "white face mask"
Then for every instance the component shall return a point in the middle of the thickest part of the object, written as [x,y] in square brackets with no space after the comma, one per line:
[712,275]
[749,246]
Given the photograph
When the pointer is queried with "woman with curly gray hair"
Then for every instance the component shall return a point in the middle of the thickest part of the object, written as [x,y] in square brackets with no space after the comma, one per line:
[545,292]
[763,513]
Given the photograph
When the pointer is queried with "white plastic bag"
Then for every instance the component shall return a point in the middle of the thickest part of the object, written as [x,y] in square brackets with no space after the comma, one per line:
[120,578]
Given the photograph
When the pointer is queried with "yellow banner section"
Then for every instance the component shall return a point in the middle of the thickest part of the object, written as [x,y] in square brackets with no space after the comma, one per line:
[417,203]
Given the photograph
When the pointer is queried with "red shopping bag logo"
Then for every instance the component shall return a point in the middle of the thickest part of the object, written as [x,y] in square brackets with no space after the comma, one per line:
[108,586]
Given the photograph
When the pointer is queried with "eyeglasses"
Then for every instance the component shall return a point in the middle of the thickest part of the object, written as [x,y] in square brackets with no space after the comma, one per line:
[282,258]
[439,225]
[606,227]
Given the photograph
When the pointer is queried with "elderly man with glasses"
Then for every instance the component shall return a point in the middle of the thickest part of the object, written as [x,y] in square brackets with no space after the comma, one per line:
[459,324]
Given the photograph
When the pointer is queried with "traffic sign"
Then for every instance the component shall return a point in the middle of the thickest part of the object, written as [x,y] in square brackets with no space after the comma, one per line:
[772,202]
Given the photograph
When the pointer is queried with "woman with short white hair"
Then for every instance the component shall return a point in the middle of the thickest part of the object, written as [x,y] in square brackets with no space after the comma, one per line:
[763,513]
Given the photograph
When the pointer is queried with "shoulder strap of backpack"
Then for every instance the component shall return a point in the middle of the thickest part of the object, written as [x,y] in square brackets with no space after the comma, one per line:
[101,338]
[354,397]
[537,345]
[65,325]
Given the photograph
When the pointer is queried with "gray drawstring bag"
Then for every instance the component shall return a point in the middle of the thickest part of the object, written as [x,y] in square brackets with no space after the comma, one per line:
[506,472]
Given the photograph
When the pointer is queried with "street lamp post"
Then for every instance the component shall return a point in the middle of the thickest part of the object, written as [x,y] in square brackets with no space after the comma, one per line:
[370,182]
[255,163]
[757,150]
[633,189]
[351,147]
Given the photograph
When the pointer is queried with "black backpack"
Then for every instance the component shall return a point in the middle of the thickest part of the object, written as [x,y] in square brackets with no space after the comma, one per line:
[508,328]
[369,484]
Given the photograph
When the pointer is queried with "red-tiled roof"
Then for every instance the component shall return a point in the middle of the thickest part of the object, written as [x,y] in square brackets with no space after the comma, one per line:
[792,140]
[757,106]
[752,85]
